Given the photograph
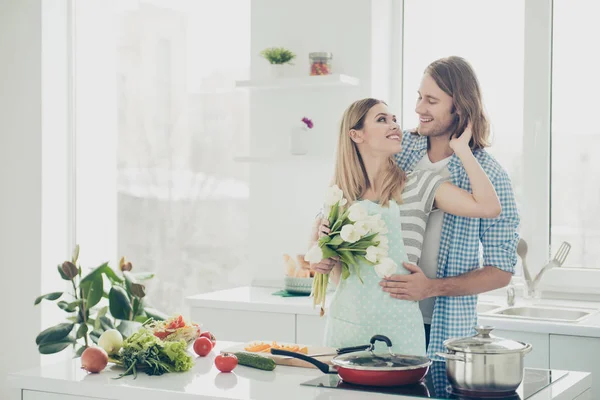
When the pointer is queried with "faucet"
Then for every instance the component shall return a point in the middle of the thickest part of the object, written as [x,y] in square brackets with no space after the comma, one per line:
[558,260]
[510,296]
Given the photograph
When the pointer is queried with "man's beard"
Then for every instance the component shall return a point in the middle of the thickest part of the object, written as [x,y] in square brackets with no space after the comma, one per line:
[436,131]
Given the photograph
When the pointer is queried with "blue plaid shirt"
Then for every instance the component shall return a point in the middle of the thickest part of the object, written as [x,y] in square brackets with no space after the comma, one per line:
[461,238]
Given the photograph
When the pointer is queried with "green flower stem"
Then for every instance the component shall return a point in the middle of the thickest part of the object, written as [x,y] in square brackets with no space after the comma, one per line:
[81,308]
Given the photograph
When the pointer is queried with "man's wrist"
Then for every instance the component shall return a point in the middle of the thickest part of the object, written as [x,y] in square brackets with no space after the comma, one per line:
[435,287]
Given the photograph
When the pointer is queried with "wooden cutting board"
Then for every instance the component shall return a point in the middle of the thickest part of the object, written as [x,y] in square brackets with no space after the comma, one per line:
[288,361]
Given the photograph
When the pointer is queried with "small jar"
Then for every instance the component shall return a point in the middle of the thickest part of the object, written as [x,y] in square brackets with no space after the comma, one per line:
[320,63]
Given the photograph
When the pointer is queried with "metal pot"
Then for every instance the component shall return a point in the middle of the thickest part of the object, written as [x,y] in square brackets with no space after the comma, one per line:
[369,368]
[484,363]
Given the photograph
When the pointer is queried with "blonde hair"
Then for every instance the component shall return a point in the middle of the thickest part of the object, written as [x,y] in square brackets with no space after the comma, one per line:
[455,76]
[350,172]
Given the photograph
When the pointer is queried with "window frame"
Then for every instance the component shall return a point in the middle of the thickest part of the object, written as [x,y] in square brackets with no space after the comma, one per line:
[535,209]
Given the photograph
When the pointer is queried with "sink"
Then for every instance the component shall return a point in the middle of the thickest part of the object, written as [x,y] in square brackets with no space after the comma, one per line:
[486,307]
[546,313]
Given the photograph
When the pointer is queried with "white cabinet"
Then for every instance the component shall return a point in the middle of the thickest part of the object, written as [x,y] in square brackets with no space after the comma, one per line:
[310,329]
[245,326]
[539,357]
[576,353]
[34,395]
[587,395]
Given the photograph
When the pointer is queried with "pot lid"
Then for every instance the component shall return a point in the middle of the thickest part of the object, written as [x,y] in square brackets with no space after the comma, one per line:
[485,343]
[369,360]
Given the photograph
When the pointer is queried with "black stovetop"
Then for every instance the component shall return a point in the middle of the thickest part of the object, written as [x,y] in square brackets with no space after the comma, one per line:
[436,385]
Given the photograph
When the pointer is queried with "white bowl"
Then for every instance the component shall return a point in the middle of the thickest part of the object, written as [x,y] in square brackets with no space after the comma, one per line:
[298,285]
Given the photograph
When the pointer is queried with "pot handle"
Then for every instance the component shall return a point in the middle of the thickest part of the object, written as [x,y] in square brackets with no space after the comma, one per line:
[325,368]
[449,356]
[380,338]
[527,348]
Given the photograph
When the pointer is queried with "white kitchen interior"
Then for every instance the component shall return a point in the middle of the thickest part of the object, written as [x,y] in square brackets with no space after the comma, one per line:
[154,130]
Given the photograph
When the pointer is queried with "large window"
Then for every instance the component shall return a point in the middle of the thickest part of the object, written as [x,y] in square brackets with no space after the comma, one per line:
[477,31]
[510,45]
[575,132]
[157,122]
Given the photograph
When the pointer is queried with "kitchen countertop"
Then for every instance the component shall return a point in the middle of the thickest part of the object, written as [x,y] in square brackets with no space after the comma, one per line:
[261,299]
[204,381]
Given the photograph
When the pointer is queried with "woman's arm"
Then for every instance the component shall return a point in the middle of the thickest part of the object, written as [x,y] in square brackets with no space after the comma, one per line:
[483,202]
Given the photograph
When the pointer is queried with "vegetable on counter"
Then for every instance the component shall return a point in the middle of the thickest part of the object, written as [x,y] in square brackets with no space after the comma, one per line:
[94,359]
[111,341]
[203,346]
[262,347]
[174,329]
[209,336]
[226,362]
[145,352]
[255,361]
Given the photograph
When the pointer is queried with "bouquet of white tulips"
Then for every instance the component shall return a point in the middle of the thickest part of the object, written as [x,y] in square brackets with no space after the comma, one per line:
[354,237]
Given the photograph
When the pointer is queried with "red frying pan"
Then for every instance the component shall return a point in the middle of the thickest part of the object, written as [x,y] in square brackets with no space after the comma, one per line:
[369,368]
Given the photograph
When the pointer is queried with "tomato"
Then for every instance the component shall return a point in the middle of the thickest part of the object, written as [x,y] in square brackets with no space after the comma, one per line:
[202,346]
[209,336]
[226,362]
[176,323]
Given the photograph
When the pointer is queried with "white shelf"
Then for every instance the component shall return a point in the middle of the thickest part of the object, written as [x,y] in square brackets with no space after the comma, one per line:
[300,82]
[281,158]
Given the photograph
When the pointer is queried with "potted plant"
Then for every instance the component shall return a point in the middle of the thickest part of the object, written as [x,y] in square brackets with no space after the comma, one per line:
[300,137]
[277,58]
[94,307]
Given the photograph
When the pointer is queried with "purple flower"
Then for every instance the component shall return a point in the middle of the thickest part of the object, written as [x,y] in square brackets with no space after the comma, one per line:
[308,122]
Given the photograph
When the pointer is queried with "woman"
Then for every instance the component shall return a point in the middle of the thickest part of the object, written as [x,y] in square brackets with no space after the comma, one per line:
[366,172]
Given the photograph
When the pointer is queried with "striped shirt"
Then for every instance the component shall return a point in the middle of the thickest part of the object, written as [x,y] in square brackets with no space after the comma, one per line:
[417,203]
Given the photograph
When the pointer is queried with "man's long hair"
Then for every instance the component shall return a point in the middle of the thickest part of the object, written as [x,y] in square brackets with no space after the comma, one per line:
[455,76]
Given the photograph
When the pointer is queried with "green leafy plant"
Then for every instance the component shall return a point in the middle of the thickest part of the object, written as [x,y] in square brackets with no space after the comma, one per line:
[278,55]
[92,310]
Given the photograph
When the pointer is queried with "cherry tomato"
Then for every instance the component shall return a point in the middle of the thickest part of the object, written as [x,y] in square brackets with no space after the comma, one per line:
[226,362]
[202,346]
[209,336]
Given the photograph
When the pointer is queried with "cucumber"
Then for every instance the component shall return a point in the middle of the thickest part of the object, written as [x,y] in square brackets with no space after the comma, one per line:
[255,361]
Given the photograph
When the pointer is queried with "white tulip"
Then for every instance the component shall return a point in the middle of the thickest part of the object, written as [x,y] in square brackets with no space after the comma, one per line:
[314,255]
[375,254]
[349,233]
[357,212]
[378,225]
[384,242]
[362,227]
[334,196]
[385,268]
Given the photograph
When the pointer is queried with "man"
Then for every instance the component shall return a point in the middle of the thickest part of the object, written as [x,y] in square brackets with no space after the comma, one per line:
[449,275]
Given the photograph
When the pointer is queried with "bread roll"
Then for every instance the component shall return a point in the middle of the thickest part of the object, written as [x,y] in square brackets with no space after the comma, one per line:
[290,265]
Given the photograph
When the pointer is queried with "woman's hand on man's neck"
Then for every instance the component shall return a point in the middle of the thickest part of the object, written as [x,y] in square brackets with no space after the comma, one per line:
[439,148]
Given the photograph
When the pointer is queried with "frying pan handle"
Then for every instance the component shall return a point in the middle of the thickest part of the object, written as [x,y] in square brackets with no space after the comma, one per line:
[325,368]
[380,338]
[352,349]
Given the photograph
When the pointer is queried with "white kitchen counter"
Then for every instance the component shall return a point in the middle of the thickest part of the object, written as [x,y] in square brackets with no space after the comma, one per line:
[251,298]
[66,381]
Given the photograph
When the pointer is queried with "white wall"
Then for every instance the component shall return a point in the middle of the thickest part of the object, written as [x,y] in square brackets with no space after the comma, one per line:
[285,196]
[20,182]
[36,206]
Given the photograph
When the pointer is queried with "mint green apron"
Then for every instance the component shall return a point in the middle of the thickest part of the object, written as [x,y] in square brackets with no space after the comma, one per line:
[360,310]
